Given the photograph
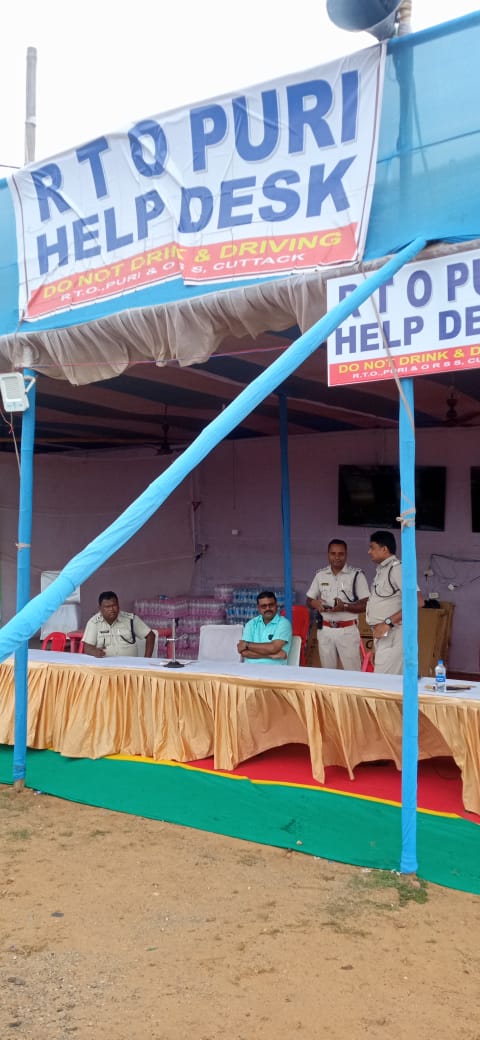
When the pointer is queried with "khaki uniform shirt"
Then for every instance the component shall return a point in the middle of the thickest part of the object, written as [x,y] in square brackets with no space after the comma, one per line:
[329,586]
[116,639]
[386,594]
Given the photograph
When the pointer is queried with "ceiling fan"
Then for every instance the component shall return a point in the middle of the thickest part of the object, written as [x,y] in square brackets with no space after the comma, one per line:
[166,447]
[452,418]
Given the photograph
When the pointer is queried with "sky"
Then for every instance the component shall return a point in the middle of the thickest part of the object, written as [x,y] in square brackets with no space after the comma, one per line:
[102,66]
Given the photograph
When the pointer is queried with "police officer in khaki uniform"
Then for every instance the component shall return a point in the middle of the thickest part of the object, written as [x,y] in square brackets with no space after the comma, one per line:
[384,606]
[339,593]
[113,633]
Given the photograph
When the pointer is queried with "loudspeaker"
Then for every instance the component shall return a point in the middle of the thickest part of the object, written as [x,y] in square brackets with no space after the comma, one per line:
[374,16]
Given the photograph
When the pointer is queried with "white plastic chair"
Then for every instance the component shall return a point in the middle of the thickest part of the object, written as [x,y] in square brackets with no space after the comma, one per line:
[219,642]
[294,655]
[141,645]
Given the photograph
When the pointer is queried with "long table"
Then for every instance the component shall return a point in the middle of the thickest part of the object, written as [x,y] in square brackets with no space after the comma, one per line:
[88,707]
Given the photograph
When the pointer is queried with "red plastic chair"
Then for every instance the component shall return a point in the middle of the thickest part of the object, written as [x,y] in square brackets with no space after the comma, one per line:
[76,645]
[366,655]
[301,627]
[55,641]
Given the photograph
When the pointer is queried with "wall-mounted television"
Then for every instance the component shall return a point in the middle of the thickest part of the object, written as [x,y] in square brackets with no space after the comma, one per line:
[475,496]
[369,496]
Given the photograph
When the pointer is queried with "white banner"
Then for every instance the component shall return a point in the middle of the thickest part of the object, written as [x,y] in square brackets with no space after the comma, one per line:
[274,180]
[428,315]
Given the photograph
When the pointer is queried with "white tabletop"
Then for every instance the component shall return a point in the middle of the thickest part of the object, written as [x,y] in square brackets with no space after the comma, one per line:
[277,673]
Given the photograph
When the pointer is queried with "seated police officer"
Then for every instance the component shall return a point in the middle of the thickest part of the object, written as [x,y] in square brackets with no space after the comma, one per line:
[113,632]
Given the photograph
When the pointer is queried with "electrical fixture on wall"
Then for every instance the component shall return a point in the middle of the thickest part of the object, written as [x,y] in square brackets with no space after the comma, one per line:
[14,391]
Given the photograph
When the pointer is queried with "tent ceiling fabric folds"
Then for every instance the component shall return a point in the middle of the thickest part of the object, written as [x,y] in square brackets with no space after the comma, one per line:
[120,381]
[187,332]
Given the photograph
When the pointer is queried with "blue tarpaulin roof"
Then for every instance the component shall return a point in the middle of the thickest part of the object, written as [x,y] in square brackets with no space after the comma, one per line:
[427,180]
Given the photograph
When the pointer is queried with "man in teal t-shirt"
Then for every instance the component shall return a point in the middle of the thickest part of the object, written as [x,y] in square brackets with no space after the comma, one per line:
[267,638]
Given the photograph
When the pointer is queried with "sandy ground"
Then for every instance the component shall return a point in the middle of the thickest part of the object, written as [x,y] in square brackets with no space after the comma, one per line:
[118,927]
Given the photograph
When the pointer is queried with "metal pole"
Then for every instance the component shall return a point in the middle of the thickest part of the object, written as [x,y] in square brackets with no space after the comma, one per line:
[31,105]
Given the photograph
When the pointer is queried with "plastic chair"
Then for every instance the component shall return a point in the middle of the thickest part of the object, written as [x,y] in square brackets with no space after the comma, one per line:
[76,641]
[295,651]
[301,622]
[219,642]
[55,641]
[141,645]
[367,658]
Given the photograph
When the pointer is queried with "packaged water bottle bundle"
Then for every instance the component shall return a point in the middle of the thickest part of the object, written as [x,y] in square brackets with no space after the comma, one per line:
[189,613]
[231,604]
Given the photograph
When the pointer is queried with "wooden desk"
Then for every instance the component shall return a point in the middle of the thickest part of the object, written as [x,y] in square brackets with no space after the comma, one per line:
[434,634]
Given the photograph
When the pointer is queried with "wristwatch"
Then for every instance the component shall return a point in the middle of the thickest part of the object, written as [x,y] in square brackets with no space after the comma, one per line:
[389,622]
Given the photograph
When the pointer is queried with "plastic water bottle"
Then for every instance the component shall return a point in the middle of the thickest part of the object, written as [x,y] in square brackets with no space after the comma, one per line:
[440,677]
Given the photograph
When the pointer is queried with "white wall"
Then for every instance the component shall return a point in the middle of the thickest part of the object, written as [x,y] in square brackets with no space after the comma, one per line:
[238,488]
[74,501]
[246,476]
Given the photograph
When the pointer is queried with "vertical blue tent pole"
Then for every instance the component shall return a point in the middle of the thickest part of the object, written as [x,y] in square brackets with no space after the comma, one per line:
[23,583]
[408,861]
[26,484]
[403,61]
[287,552]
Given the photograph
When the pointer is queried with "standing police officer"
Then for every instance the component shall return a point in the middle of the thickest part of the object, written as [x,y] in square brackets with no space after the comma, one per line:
[339,593]
[384,607]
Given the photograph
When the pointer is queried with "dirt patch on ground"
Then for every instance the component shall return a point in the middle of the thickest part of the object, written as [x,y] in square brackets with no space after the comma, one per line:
[119,927]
